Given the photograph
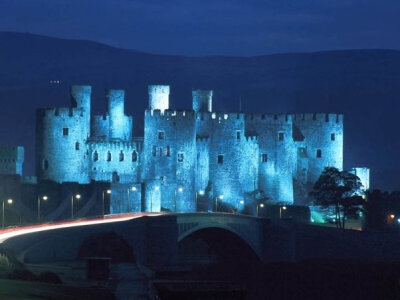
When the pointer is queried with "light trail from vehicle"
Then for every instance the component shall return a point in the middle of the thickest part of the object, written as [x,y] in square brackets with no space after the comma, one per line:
[8,233]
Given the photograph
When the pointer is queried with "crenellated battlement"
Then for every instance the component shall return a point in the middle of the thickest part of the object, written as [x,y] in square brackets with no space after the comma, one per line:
[320,117]
[170,114]
[61,112]
[218,116]
[269,117]
[101,118]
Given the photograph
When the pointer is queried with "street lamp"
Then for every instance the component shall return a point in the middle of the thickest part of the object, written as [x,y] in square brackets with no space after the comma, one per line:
[220,197]
[38,204]
[180,190]
[156,188]
[9,201]
[77,196]
[103,194]
[133,189]
[258,206]
[280,211]
[201,193]
[241,202]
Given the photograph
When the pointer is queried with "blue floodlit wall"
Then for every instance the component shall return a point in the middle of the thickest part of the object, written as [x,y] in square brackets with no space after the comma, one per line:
[275,141]
[169,155]
[112,161]
[11,160]
[226,155]
[363,174]
[322,132]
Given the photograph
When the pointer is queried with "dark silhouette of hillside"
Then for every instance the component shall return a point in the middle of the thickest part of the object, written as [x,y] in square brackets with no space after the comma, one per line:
[363,84]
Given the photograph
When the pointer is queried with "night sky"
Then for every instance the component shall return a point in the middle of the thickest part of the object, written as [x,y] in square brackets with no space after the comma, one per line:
[212,27]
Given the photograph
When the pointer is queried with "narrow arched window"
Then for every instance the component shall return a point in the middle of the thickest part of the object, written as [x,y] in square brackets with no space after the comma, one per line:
[121,156]
[319,153]
[95,156]
[108,156]
[45,164]
[134,155]
[77,146]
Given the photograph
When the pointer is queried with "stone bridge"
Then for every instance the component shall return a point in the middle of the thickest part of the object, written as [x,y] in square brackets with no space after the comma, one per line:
[155,240]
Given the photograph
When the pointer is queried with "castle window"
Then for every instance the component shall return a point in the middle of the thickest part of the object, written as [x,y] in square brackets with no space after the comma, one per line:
[220,159]
[319,153]
[281,136]
[77,146]
[121,156]
[333,137]
[264,157]
[154,151]
[95,156]
[238,134]
[167,151]
[326,118]
[108,156]
[161,135]
[45,164]
[65,131]
[134,156]
[180,157]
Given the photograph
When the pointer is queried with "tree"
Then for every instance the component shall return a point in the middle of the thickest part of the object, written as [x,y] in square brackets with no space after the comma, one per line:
[339,189]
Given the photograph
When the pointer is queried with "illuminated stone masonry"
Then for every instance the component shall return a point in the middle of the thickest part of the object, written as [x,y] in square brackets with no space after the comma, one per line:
[187,157]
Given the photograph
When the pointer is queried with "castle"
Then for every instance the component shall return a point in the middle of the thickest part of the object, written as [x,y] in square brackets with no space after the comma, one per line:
[184,155]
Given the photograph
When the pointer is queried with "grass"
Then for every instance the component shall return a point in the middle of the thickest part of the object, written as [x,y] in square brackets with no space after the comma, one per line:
[25,290]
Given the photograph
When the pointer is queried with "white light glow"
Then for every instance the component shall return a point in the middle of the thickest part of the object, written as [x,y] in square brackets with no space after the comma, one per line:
[13,232]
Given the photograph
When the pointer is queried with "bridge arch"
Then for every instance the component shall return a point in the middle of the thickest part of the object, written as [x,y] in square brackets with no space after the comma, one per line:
[224,239]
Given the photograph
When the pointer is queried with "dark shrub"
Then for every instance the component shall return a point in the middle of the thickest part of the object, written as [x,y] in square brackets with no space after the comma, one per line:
[22,275]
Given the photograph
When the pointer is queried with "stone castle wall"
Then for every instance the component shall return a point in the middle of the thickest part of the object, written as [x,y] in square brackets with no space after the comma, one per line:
[225,156]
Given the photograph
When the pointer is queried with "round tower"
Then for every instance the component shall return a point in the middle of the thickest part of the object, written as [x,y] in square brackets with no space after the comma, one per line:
[159,97]
[202,100]
[61,139]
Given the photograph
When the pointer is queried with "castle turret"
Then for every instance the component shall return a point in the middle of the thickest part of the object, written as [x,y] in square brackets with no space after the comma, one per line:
[159,97]
[119,124]
[202,100]
[80,97]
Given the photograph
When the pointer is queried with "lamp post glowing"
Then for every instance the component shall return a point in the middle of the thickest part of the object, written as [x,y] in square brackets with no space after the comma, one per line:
[220,197]
[103,196]
[280,211]
[133,189]
[38,204]
[9,201]
[201,193]
[180,190]
[258,206]
[241,203]
[77,196]
[156,188]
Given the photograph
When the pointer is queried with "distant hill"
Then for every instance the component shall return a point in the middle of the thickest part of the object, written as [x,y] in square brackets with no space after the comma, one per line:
[363,84]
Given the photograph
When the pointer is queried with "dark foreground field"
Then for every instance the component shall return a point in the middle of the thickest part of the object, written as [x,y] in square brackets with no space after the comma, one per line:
[305,280]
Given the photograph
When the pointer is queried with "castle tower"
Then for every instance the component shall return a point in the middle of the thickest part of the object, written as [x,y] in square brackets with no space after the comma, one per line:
[202,100]
[61,139]
[159,97]
[80,97]
[120,127]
